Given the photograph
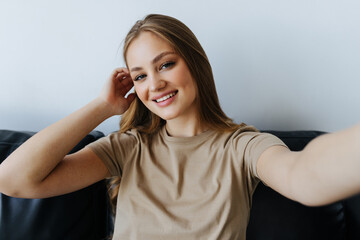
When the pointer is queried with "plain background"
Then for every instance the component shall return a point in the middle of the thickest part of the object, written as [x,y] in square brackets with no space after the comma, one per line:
[280,64]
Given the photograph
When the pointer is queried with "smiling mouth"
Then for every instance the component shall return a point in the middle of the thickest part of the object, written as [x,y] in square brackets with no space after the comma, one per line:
[170,95]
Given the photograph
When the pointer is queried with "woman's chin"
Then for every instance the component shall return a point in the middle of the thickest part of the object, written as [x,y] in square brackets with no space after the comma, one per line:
[167,117]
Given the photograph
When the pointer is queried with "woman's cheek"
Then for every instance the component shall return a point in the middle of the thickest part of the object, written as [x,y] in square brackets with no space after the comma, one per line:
[139,93]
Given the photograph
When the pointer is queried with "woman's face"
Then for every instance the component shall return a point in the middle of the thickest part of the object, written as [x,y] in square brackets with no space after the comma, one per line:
[161,77]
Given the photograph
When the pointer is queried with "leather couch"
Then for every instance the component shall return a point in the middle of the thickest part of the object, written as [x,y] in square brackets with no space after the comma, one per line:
[86,214]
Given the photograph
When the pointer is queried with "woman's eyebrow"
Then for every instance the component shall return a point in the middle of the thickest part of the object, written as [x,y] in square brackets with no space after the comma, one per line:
[161,55]
[156,59]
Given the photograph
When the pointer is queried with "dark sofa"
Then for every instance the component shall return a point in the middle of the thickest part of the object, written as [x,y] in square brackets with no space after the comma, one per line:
[85,214]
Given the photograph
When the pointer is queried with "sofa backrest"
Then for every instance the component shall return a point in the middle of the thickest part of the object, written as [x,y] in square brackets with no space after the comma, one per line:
[84,214]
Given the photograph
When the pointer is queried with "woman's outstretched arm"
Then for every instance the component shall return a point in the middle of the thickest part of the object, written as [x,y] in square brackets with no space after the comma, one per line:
[40,168]
[327,170]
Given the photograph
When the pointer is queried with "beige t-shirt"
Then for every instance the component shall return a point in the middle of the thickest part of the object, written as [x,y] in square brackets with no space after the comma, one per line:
[183,188]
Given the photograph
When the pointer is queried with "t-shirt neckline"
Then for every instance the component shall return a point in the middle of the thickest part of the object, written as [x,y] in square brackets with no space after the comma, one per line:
[196,138]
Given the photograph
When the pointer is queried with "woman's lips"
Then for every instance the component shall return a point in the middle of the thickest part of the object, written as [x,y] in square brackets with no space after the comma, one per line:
[166,100]
[156,98]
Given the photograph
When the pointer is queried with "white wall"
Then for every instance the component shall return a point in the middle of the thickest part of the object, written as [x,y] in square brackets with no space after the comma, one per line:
[279,64]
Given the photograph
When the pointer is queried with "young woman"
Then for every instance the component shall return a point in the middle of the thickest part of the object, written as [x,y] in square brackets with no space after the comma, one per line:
[184,169]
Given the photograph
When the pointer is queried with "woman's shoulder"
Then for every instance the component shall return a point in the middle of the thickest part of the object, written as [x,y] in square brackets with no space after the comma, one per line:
[239,131]
[133,134]
[243,135]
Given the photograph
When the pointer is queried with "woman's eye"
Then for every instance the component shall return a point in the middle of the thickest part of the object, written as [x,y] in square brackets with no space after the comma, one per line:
[139,77]
[166,65]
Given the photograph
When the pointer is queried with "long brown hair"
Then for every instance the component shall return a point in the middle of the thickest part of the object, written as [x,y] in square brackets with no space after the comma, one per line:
[184,42]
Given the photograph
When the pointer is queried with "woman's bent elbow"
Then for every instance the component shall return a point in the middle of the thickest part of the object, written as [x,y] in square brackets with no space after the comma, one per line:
[15,188]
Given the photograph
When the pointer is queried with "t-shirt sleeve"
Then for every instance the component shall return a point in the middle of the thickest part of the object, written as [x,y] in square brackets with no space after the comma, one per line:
[256,145]
[115,149]
[248,146]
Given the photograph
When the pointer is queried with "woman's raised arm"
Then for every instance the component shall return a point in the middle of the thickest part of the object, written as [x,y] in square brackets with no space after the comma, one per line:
[327,170]
[36,168]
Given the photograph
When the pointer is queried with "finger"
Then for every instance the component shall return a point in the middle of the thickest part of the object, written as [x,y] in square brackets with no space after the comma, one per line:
[126,80]
[120,70]
[125,89]
[123,77]
[124,85]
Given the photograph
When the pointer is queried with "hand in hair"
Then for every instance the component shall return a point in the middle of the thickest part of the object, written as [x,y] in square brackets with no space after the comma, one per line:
[115,90]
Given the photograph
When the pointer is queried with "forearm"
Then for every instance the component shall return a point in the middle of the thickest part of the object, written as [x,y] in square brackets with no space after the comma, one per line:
[327,170]
[33,161]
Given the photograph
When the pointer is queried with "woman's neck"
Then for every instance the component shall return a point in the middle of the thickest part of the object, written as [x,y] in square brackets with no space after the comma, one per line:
[185,128]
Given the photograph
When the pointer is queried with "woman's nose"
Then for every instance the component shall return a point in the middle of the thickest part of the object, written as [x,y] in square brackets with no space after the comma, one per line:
[156,83]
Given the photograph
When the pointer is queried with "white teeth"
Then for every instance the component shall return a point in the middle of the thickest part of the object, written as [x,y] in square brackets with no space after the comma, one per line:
[165,97]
